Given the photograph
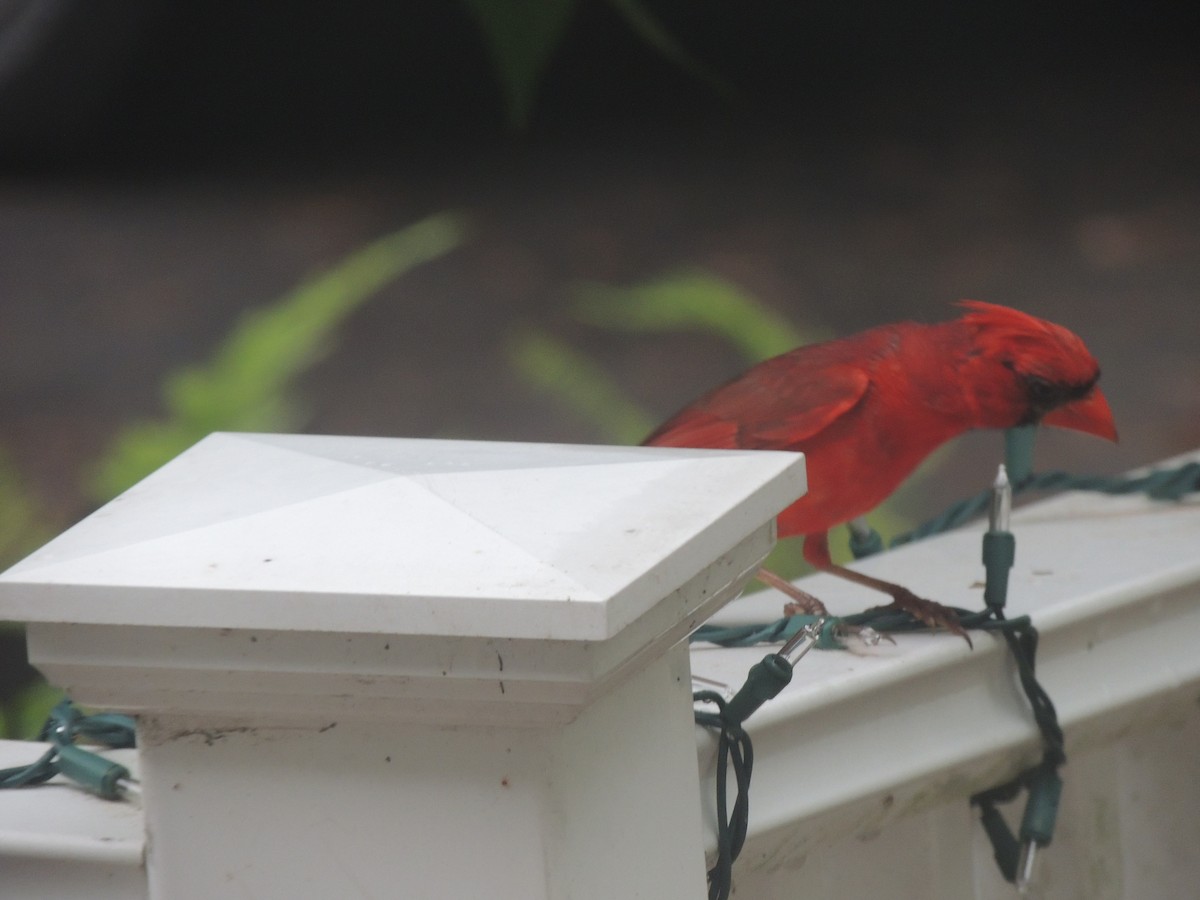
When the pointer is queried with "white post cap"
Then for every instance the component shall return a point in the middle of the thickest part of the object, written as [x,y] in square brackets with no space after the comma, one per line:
[445,546]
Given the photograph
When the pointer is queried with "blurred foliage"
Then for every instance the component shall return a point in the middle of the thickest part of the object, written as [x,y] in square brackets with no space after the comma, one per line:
[579,384]
[24,522]
[522,35]
[246,384]
[25,525]
[655,35]
[22,716]
[685,301]
[691,301]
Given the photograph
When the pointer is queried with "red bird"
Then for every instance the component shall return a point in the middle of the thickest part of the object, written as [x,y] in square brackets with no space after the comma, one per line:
[867,409]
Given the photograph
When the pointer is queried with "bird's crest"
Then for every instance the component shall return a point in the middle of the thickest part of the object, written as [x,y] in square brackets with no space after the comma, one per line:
[1001,330]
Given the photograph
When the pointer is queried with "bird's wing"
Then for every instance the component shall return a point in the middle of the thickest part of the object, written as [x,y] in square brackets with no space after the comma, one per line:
[799,409]
[770,407]
[693,428]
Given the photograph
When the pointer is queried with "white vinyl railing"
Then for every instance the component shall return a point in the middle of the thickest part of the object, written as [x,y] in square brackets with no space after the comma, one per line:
[385,668]
[864,764]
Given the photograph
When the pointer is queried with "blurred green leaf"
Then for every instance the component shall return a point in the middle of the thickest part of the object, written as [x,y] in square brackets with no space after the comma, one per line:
[646,27]
[685,301]
[691,301]
[521,36]
[24,524]
[579,384]
[244,387]
[25,714]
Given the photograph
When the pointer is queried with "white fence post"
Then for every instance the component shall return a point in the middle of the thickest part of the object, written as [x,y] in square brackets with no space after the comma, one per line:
[371,667]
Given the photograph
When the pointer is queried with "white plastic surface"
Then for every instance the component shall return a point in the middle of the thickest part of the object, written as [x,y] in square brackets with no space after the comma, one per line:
[603,806]
[451,538]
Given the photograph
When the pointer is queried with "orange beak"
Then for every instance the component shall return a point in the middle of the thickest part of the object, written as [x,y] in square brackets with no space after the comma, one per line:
[1090,415]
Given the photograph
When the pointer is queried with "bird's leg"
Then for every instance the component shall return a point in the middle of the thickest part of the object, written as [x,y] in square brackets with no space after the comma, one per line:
[929,612]
[816,551]
[803,603]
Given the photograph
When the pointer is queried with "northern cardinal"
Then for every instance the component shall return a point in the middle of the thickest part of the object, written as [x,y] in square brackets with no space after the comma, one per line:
[867,409]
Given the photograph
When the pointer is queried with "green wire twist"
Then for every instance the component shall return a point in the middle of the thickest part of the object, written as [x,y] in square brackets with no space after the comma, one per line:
[65,724]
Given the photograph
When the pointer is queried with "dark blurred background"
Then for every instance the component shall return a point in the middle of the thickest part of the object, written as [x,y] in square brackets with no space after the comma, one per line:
[164,167]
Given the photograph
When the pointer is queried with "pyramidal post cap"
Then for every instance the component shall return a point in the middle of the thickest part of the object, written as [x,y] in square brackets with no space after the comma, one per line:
[403,536]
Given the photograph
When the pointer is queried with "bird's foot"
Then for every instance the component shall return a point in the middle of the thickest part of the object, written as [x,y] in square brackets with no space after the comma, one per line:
[802,602]
[930,613]
[805,604]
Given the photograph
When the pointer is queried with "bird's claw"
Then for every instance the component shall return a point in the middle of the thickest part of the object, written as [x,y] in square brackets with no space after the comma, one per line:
[930,613]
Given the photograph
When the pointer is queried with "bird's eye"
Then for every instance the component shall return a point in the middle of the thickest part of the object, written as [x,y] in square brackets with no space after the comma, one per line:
[1041,391]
